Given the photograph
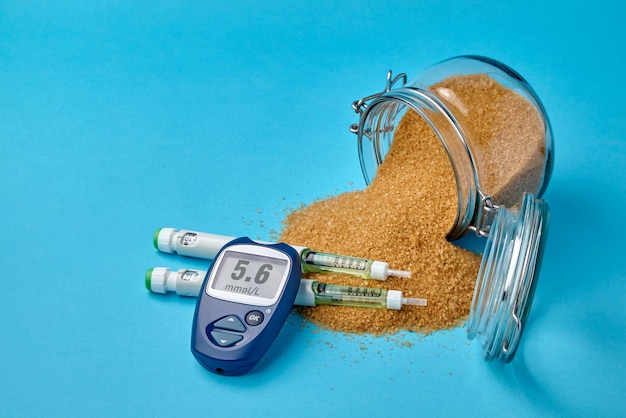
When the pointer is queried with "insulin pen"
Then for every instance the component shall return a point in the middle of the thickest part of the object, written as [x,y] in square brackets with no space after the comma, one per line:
[188,282]
[204,245]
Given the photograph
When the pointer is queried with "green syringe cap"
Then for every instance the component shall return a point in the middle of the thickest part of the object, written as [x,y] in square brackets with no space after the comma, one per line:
[155,238]
[148,279]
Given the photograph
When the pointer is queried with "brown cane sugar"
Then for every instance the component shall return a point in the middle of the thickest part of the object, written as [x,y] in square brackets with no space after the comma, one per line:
[403,216]
[508,132]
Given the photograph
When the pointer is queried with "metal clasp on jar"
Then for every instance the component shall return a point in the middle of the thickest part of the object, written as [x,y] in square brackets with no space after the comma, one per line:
[484,217]
[360,105]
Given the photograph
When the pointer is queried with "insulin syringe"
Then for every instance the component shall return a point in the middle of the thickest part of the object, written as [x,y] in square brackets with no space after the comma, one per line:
[204,245]
[188,282]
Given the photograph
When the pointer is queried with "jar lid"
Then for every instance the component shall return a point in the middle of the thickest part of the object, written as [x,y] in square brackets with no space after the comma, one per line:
[508,277]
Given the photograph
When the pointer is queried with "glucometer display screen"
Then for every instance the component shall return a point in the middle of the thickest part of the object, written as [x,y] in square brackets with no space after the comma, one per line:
[250,274]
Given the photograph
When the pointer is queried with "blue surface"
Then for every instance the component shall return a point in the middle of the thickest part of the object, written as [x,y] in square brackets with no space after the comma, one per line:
[117,119]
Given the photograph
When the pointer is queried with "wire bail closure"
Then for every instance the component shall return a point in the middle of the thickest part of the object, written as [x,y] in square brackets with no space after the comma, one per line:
[360,105]
[485,216]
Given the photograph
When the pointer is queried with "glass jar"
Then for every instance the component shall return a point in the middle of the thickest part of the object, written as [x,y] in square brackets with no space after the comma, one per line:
[499,141]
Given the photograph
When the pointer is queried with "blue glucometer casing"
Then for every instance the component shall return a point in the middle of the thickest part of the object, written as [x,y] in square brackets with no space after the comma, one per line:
[246,297]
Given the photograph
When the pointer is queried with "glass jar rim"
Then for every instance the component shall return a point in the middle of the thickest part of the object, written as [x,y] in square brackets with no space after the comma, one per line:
[451,135]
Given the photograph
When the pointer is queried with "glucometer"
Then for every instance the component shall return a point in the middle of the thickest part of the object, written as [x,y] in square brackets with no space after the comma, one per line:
[246,297]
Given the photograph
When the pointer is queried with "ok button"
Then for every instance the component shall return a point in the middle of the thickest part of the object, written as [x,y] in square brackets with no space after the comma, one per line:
[254,318]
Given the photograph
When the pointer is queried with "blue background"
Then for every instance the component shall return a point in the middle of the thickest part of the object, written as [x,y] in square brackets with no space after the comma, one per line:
[118,118]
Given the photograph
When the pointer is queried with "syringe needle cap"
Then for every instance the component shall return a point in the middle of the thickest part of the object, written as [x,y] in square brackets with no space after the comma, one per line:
[414,301]
[400,273]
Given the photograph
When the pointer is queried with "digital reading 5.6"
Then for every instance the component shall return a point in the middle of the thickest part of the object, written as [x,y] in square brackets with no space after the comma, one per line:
[249,274]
